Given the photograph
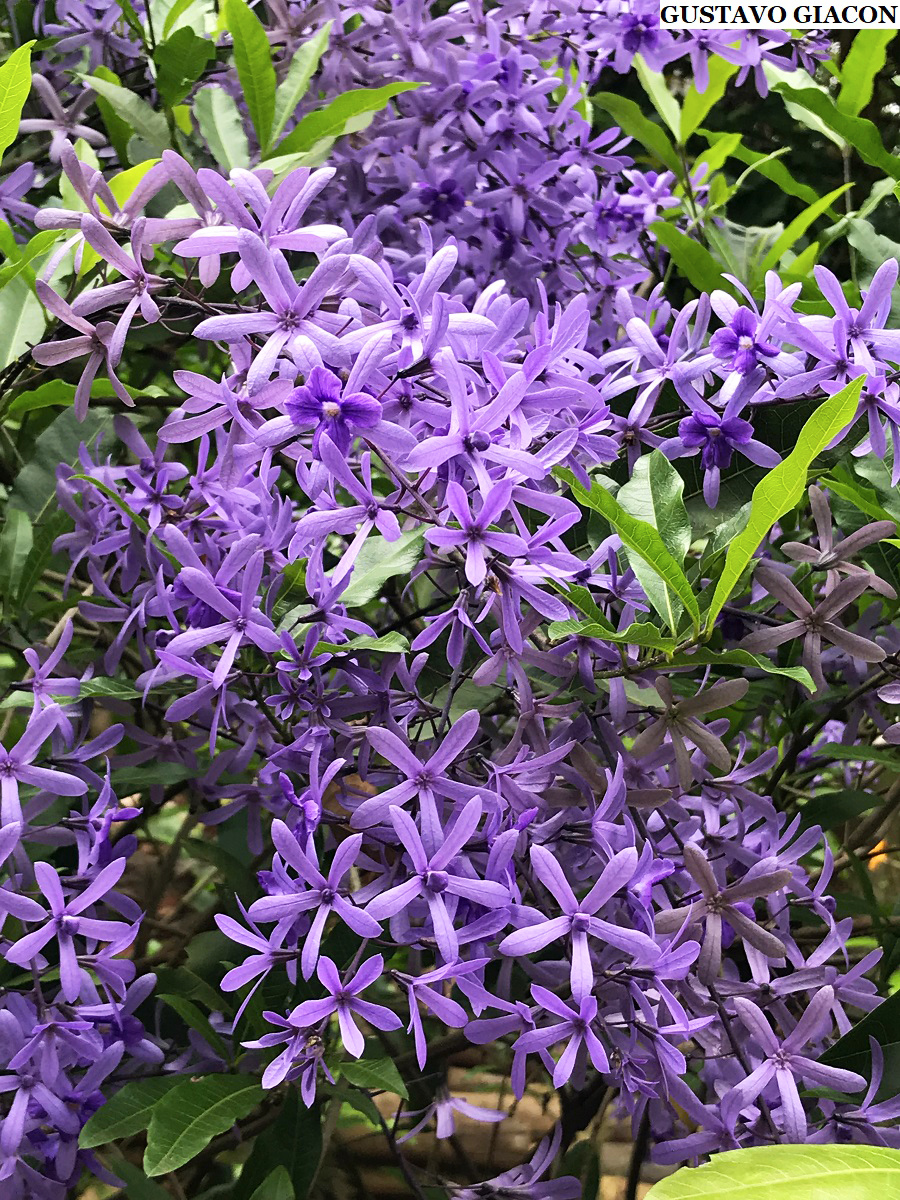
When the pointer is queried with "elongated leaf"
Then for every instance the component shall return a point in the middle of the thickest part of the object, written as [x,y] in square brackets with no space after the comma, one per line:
[222,127]
[46,529]
[642,540]
[781,488]
[379,1074]
[654,84]
[192,1114]
[292,90]
[36,247]
[293,1142]
[829,809]
[743,658]
[852,1052]
[628,116]
[138,1186]
[22,321]
[128,1111]
[15,84]
[388,643]
[799,226]
[697,104]
[788,1173]
[889,755]
[348,113]
[194,1018]
[178,9]
[380,560]
[15,546]
[253,60]
[149,125]
[693,260]
[637,634]
[180,62]
[277,1186]
[654,494]
[770,167]
[859,133]
[865,59]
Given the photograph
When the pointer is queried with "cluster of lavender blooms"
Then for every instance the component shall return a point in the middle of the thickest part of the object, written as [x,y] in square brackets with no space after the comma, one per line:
[332,572]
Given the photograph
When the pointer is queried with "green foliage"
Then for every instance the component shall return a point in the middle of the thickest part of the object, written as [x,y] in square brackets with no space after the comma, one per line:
[779,490]
[866,57]
[148,124]
[222,129]
[127,1112]
[180,62]
[788,1173]
[692,258]
[628,116]
[15,84]
[349,113]
[253,60]
[293,88]
[189,1116]
[378,1074]
[293,1141]
[378,561]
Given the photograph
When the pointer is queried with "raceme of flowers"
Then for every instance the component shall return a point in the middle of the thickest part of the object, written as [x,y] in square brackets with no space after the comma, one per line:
[331,570]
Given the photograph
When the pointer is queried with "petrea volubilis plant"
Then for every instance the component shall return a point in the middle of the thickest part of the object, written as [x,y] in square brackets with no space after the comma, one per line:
[449,585]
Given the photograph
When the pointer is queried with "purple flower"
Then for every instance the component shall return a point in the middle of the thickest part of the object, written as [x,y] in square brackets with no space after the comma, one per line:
[344,1001]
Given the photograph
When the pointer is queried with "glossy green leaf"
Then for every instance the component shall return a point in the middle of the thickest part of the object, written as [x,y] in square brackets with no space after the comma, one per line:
[641,633]
[380,560]
[16,541]
[782,487]
[46,530]
[829,809]
[866,57]
[117,128]
[15,84]
[295,84]
[654,84]
[195,1019]
[770,167]
[388,643]
[175,13]
[887,754]
[829,1172]
[149,125]
[692,259]
[697,104]
[378,1074]
[253,60]
[276,1186]
[667,581]
[192,1114]
[180,62]
[138,1186]
[799,226]
[115,689]
[852,1052]
[348,113]
[628,116]
[222,128]
[857,132]
[654,494]
[127,1111]
[33,249]
[743,658]
[22,320]
[294,1142]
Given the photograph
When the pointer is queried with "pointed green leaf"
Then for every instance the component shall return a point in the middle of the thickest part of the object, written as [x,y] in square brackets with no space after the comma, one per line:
[697,104]
[782,487]
[149,125]
[654,84]
[294,1142]
[666,583]
[348,113]
[788,1173]
[380,560]
[375,1075]
[654,494]
[743,658]
[865,59]
[222,128]
[857,132]
[628,116]
[292,90]
[180,62]
[799,226]
[127,1111]
[15,546]
[638,634]
[694,261]
[15,84]
[277,1186]
[192,1114]
[253,60]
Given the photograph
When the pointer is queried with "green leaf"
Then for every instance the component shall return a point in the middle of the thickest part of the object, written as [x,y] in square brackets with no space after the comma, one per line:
[15,84]
[118,129]
[46,530]
[22,320]
[294,86]
[178,9]
[829,809]
[222,128]
[697,104]
[667,581]
[889,755]
[34,248]
[782,487]
[277,1186]
[388,643]
[380,560]
[180,62]
[117,689]
[139,1187]
[192,1114]
[294,1142]
[799,226]
[375,1075]
[770,167]
[654,494]
[628,116]
[194,1018]
[127,1111]
[253,60]
[15,546]
[862,135]
[637,634]
[864,60]
[149,125]
[852,1051]
[743,658]
[693,260]
[788,1173]
[347,113]
[654,84]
